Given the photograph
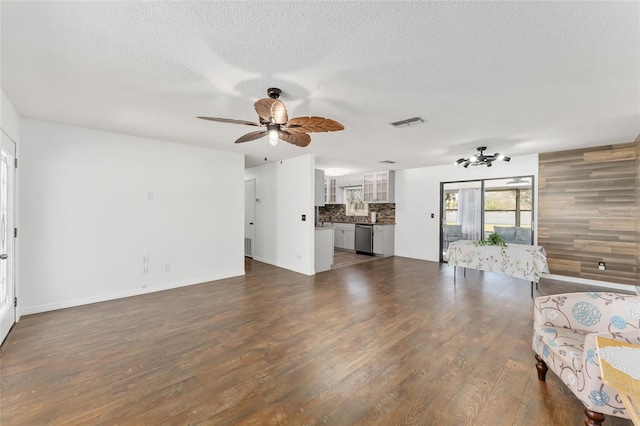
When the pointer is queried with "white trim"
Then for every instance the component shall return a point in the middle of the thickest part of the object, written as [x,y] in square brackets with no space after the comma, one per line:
[595,283]
[122,294]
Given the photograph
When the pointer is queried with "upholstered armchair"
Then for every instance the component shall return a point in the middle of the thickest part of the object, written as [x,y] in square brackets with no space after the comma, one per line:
[565,327]
[453,233]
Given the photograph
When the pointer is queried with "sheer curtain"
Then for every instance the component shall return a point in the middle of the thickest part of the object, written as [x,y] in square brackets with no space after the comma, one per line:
[470,212]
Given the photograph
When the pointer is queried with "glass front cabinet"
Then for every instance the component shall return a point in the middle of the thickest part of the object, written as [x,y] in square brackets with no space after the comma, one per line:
[378,187]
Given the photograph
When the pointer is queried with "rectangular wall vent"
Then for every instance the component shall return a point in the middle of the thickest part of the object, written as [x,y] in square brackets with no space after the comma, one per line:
[408,122]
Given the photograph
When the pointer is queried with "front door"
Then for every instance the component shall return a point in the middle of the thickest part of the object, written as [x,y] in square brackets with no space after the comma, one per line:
[7,257]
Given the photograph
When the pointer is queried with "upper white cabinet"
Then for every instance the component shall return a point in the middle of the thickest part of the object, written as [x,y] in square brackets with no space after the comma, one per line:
[379,187]
[331,193]
[354,179]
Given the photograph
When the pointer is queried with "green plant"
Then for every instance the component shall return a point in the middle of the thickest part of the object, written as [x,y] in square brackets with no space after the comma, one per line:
[493,240]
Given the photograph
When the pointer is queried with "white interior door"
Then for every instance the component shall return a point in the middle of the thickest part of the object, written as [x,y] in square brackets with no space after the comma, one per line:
[249,216]
[7,258]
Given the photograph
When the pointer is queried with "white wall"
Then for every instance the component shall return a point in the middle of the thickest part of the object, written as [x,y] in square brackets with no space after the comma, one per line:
[286,192]
[418,195]
[86,220]
[9,119]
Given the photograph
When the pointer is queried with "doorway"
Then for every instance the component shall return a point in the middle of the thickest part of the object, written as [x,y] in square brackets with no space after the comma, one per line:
[7,252]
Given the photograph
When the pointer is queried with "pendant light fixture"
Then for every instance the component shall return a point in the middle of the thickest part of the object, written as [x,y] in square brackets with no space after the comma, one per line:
[480,159]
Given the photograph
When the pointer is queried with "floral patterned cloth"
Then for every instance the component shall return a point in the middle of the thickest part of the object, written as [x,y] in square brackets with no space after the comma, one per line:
[517,260]
[565,327]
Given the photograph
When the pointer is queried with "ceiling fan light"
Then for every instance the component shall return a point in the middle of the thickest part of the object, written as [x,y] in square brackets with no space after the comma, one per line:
[480,159]
[272,136]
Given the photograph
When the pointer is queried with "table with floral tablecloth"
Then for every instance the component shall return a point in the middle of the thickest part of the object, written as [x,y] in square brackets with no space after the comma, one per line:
[517,260]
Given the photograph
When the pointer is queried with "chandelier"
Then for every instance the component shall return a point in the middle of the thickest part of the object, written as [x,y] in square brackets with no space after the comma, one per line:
[480,159]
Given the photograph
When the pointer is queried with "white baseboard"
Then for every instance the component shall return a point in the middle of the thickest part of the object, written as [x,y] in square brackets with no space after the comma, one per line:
[293,268]
[121,294]
[595,283]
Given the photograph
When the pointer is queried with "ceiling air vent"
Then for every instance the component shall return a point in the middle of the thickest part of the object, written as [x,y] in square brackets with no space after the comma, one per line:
[408,122]
[388,162]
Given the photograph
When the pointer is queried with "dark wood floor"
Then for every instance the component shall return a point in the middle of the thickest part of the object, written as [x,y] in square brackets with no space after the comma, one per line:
[386,342]
[346,258]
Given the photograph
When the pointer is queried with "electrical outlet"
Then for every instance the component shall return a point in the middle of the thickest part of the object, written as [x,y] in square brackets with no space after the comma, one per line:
[145,270]
[167,267]
[601,266]
[145,258]
[143,285]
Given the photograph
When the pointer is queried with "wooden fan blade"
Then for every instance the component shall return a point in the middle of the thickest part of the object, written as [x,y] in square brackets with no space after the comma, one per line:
[296,138]
[313,124]
[252,136]
[268,108]
[231,120]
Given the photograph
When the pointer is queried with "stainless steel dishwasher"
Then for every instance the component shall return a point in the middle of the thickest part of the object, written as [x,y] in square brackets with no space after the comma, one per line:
[364,239]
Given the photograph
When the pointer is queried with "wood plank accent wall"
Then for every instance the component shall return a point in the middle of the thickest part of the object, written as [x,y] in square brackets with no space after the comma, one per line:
[587,212]
[637,211]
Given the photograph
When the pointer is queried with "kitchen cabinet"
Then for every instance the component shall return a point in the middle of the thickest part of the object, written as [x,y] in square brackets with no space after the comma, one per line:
[323,249]
[319,188]
[354,179]
[379,187]
[383,240]
[344,236]
[331,193]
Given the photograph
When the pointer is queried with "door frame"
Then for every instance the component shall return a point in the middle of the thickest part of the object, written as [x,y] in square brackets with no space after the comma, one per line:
[250,207]
[482,202]
[8,312]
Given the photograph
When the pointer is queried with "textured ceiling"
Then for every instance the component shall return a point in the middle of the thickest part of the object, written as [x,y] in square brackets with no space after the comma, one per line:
[518,77]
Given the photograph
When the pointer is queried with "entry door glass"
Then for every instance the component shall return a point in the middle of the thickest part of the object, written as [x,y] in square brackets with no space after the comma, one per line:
[462,213]
[7,173]
[508,203]
[472,210]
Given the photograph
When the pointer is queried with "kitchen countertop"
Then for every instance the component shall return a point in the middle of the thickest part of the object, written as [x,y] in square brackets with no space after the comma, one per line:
[361,223]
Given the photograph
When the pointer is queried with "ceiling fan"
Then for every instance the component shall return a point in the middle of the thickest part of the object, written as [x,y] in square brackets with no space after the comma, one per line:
[273,116]
[480,159]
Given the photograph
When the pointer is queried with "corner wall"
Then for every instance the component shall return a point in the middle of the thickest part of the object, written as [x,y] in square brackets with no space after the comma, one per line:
[93,203]
[286,190]
[587,204]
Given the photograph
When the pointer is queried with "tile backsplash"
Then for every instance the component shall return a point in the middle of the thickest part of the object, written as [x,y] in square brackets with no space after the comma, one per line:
[385,213]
